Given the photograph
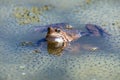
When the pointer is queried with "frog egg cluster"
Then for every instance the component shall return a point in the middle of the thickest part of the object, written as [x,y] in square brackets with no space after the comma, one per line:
[94,67]
[23,63]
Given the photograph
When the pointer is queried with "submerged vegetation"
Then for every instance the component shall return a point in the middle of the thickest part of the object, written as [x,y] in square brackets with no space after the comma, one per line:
[31,15]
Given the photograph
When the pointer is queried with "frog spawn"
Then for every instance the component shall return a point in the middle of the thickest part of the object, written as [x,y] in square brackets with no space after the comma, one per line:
[42,66]
[91,67]
[84,67]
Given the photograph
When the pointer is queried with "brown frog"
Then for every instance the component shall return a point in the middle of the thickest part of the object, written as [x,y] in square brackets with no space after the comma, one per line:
[58,39]
[60,35]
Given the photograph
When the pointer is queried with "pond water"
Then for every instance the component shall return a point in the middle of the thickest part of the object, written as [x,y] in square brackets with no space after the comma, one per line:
[18,20]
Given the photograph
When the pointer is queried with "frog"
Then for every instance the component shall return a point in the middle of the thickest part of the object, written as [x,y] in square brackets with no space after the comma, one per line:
[60,35]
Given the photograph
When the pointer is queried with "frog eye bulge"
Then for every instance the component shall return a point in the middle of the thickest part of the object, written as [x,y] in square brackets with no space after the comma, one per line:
[57,30]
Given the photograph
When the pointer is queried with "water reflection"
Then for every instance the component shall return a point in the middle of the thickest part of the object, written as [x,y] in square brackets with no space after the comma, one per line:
[56,48]
[98,65]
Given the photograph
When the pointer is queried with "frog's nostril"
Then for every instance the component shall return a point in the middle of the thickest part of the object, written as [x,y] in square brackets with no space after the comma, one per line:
[48,29]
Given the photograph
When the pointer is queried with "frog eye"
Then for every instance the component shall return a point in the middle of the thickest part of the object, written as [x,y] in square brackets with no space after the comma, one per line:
[57,30]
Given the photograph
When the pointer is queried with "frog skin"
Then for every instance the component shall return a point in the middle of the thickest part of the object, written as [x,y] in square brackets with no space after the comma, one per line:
[63,32]
[58,36]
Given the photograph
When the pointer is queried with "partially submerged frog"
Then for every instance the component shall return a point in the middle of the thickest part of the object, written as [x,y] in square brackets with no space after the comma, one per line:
[61,34]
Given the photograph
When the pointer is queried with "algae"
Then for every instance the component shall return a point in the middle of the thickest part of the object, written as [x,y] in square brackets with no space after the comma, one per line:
[31,15]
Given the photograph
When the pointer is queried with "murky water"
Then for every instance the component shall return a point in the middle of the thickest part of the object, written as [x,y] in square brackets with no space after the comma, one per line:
[22,63]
